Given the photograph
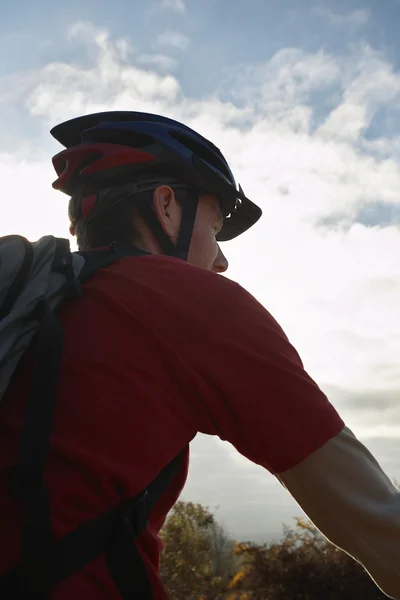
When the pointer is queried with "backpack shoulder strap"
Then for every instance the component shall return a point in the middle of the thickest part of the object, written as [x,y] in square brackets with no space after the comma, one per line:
[43,561]
[112,533]
[100,259]
[26,478]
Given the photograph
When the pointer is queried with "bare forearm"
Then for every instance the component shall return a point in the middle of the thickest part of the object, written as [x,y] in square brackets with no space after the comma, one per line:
[344,491]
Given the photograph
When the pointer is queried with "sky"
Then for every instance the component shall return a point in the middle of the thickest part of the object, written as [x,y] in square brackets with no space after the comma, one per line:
[303,98]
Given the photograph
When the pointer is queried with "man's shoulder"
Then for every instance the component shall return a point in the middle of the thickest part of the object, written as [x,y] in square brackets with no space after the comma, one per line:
[177,292]
[170,273]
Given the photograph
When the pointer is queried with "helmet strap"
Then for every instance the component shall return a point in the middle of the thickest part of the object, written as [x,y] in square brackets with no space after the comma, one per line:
[189,213]
[149,216]
[181,249]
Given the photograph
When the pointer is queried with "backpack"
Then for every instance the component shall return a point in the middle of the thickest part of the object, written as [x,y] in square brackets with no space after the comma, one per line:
[34,279]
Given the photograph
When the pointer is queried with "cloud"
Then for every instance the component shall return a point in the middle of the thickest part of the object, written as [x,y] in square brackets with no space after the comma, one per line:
[360,407]
[176,5]
[370,84]
[379,214]
[324,260]
[173,39]
[63,90]
[356,18]
[252,494]
[160,61]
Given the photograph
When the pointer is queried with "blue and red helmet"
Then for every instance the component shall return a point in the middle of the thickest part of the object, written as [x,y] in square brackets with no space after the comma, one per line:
[118,149]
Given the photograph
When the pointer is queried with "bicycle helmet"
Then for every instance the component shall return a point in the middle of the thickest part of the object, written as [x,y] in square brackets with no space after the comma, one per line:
[110,156]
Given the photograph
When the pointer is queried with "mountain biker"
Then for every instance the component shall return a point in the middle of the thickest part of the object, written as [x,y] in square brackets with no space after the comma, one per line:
[159,348]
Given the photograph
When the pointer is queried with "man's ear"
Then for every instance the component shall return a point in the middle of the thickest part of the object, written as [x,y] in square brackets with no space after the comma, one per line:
[167,210]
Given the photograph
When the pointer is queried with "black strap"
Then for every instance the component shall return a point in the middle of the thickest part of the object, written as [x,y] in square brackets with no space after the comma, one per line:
[113,533]
[45,562]
[124,560]
[181,249]
[27,476]
[187,224]
[148,214]
[100,259]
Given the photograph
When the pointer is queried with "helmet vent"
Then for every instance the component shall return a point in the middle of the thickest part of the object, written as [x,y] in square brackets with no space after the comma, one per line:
[200,150]
[121,137]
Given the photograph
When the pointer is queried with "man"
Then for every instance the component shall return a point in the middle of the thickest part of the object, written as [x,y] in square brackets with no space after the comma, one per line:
[160,348]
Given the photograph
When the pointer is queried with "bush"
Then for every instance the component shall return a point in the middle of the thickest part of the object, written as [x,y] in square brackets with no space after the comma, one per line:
[200,562]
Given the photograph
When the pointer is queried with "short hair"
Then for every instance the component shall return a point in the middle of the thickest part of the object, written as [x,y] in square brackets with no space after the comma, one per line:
[117,223]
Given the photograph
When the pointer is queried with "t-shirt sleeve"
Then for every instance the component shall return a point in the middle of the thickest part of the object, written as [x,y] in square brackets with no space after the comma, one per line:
[251,387]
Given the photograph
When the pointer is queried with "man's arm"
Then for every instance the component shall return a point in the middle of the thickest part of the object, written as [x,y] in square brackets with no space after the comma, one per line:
[345,493]
[251,389]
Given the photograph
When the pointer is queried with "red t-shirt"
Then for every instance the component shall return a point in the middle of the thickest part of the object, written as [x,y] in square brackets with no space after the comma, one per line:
[156,351]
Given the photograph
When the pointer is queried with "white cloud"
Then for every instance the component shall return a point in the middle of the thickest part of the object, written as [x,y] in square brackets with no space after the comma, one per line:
[173,39]
[280,89]
[306,176]
[370,84]
[63,90]
[177,5]
[356,18]
[335,289]
[159,61]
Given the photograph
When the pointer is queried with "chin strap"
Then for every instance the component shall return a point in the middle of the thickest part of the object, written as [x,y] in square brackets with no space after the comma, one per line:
[123,193]
[190,207]
[181,249]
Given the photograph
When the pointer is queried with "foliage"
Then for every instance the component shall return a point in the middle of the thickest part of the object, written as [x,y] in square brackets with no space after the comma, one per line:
[195,562]
[303,566]
[200,562]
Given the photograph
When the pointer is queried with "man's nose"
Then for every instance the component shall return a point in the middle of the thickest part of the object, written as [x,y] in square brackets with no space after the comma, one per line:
[221,263]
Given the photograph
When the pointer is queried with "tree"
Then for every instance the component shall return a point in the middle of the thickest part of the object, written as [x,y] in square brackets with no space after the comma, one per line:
[224,561]
[200,562]
[193,565]
[304,566]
